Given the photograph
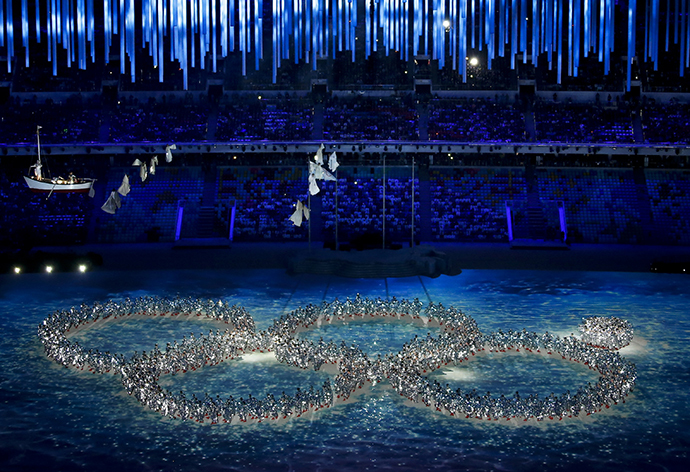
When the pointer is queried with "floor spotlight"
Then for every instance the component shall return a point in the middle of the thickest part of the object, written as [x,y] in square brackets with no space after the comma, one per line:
[17,270]
[82,268]
[49,269]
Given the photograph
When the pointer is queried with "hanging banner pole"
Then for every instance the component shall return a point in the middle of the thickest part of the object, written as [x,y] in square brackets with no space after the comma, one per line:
[412,221]
[383,225]
[336,211]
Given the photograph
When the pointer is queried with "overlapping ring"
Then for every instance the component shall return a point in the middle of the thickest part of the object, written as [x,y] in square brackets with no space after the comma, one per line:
[458,340]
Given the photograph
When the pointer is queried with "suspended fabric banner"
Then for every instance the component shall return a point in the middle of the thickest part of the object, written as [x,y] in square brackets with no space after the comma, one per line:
[189,34]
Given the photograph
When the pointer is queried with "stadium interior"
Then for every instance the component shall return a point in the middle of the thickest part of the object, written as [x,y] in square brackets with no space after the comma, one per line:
[539,150]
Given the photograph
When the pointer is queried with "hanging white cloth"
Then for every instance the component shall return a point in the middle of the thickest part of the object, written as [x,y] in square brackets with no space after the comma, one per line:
[333,162]
[168,153]
[315,170]
[313,188]
[325,175]
[143,173]
[152,165]
[296,217]
[124,186]
[112,204]
[318,158]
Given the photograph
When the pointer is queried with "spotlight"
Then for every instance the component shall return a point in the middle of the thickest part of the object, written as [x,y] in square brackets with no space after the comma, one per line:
[17,270]
[49,269]
[82,268]
[474,61]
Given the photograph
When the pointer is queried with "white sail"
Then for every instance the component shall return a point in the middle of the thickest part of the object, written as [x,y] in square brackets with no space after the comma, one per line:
[305,210]
[152,165]
[168,153]
[136,162]
[112,204]
[333,162]
[124,186]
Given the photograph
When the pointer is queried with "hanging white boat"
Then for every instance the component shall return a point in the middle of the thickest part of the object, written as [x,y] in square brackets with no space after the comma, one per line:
[38,183]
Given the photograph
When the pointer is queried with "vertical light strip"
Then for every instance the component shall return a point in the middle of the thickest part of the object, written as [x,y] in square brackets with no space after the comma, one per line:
[38,22]
[632,14]
[472,16]
[683,39]
[523,30]
[571,60]
[25,30]
[535,30]
[81,34]
[559,72]
[130,31]
[687,42]
[2,22]
[514,34]
[462,41]
[53,35]
[490,33]
[9,28]
[501,28]
[602,24]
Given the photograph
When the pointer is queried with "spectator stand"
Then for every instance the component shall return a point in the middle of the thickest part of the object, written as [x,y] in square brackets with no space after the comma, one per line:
[265,197]
[600,204]
[76,120]
[365,118]
[149,212]
[475,120]
[669,193]
[666,124]
[360,206]
[30,219]
[582,123]
[468,204]
[168,120]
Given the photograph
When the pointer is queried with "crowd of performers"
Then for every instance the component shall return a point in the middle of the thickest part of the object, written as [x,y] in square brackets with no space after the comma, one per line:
[459,339]
[607,332]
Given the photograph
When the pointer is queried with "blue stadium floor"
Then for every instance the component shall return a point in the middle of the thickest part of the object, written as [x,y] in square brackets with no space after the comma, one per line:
[62,419]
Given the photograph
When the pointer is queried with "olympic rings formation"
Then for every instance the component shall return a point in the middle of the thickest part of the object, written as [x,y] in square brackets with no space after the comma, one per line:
[459,339]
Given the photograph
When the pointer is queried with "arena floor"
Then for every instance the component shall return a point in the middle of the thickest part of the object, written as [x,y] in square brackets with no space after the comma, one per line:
[578,257]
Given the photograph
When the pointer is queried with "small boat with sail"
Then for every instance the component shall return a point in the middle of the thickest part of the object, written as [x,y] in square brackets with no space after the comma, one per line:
[39,183]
